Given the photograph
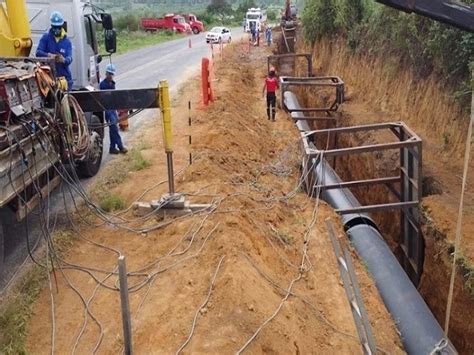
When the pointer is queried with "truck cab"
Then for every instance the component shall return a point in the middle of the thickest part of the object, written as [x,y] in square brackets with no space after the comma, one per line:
[255,17]
[175,23]
[80,24]
[81,21]
[196,25]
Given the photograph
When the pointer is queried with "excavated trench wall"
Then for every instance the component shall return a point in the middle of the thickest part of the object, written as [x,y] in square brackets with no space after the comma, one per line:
[437,264]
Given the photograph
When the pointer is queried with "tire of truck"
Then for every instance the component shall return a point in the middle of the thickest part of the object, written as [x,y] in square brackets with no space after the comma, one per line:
[2,244]
[91,163]
[195,30]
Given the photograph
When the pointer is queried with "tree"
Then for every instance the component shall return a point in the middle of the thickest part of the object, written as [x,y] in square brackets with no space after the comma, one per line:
[354,11]
[319,19]
[244,6]
[220,7]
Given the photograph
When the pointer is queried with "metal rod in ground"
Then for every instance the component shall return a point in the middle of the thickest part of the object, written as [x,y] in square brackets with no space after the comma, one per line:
[169,159]
[190,139]
[126,319]
[353,294]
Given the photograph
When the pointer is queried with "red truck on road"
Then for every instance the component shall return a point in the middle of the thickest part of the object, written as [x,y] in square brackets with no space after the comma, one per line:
[171,22]
[196,25]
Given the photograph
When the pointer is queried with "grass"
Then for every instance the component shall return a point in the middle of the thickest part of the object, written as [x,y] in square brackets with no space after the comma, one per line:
[18,309]
[284,237]
[131,41]
[111,202]
[14,318]
[137,161]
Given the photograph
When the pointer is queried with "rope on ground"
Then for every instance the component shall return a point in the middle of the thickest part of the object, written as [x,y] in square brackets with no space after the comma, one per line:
[304,267]
[315,309]
[457,242]
[201,307]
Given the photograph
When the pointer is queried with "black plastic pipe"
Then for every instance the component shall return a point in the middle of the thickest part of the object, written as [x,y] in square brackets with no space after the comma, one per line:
[420,332]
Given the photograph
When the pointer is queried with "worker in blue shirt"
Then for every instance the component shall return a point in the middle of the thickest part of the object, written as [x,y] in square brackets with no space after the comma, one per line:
[111,116]
[56,45]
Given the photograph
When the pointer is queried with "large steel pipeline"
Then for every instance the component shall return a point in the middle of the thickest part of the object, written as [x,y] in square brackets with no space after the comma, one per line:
[420,332]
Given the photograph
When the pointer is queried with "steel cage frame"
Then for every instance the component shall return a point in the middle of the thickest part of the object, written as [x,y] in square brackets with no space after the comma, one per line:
[410,179]
[315,81]
[277,57]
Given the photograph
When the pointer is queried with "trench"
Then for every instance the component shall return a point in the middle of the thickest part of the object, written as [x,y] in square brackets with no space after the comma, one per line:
[434,282]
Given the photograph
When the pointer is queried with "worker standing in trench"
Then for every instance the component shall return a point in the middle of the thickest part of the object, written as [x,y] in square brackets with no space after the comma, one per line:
[111,116]
[271,85]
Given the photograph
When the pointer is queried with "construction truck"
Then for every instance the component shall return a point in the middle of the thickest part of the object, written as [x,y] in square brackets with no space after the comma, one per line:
[255,17]
[42,125]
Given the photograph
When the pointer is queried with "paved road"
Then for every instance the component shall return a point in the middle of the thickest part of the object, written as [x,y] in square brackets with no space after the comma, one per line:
[173,61]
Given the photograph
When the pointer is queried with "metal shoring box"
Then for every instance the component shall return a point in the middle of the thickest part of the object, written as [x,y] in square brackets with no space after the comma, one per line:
[171,204]
[287,82]
[278,58]
[406,187]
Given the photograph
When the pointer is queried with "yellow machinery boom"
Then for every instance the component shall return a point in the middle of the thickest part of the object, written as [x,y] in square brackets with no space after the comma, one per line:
[15,31]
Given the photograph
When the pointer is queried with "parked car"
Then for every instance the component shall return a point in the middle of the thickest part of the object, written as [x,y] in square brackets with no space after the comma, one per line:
[171,22]
[196,25]
[219,35]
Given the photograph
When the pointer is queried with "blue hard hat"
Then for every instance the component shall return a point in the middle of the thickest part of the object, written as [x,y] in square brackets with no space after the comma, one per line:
[110,68]
[56,19]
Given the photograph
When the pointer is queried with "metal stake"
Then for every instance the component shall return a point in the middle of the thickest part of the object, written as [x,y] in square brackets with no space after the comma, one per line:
[169,159]
[126,320]
[190,139]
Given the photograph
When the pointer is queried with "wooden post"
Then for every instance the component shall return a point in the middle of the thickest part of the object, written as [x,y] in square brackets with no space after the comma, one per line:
[126,320]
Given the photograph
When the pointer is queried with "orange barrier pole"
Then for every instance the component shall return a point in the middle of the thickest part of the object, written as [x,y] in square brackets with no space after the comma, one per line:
[190,45]
[207,94]
[205,81]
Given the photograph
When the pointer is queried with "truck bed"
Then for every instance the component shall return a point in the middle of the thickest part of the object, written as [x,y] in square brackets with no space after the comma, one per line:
[17,173]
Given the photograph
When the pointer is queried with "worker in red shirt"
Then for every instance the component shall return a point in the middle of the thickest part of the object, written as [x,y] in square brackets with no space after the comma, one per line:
[271,85]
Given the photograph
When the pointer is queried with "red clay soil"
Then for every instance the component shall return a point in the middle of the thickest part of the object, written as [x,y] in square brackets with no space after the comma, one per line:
[249,167]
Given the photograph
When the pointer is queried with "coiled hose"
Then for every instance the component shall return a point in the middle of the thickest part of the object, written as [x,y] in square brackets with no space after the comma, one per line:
[76,128]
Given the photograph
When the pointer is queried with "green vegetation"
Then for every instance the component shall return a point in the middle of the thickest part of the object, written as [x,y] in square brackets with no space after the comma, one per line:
[15,316]
[111,202]
[137,161]
[130,41]
[18,308]
[422,45]
[446,139]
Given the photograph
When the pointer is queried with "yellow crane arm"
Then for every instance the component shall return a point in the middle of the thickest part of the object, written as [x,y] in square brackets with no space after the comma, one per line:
[15,31]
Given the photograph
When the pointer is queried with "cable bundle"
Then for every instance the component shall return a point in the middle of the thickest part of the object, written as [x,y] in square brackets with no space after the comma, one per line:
[76,128]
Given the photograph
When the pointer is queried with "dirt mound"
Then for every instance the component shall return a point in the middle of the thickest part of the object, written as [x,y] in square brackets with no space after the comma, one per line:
[251,246]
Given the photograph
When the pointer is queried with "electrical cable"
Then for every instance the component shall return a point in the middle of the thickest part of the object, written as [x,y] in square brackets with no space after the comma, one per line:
[193,326]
